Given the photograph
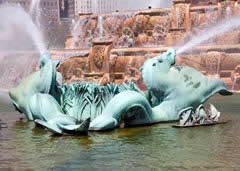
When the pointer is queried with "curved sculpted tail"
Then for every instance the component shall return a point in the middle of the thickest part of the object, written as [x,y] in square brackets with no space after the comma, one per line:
[63,124]
[80,128]
[220,87]
[117,107]
[50,127]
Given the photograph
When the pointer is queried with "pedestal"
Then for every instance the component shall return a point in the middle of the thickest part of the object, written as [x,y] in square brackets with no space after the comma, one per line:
[99,56]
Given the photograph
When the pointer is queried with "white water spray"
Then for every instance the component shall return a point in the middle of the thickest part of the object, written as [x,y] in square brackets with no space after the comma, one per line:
[35,11]
[228,11]
[20,43]
[3,90]
[208,33]
[234,82]
[100,26]
[177,16]
[34,5]
[76,32]
[18,32]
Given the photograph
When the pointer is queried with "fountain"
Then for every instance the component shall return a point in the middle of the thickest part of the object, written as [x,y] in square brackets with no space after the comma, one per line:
[19,48]
[172,92]
[26,26]
[125,79]
[76,31]
[193,30]
[35,11]
[220,28]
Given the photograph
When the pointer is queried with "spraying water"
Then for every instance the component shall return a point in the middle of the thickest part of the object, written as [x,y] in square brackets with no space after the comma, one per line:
[177,16]
[234,82]
[76,32]
[3,90]
[20,44]
[228,11]
[100,26]
[208,33]
[18,32]
[35,11]
[34,5]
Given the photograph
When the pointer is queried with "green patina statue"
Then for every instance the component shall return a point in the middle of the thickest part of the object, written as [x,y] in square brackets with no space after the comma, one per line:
[88,106]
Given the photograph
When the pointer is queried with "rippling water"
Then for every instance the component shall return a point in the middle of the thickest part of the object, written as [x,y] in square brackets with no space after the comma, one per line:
[160,147]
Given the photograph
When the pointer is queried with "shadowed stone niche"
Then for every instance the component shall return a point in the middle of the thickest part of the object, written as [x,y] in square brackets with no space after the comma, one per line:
[212,61]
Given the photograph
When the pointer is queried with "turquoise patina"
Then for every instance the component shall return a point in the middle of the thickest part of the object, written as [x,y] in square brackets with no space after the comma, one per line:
[63,108]
[170,90]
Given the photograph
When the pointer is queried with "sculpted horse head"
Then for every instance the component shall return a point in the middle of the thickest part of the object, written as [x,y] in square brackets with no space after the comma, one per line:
[42,81]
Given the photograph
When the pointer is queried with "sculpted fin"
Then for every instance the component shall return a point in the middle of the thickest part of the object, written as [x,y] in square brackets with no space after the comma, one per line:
[83,127]
[50,127]
[220,87]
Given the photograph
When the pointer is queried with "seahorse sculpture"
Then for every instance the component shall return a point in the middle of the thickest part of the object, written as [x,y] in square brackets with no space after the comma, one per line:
[62,108]
[170,90]
[38,98]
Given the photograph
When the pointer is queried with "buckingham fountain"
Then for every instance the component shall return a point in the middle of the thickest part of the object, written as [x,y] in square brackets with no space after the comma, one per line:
[154,70]
[206,38]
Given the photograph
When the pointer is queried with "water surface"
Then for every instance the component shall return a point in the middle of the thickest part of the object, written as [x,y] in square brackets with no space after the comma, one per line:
[158,147]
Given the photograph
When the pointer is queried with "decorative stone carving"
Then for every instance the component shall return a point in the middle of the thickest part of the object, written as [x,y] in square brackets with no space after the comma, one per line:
[141,23]
[160,31]
[126,36]
[98,56]
[180,15]
[231,37]
[175,37]
[212,62]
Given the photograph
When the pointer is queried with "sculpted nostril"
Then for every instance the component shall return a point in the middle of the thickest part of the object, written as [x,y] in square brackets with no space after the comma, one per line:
[154,64]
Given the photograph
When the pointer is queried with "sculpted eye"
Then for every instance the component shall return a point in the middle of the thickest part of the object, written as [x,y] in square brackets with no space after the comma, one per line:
[154,64]
[160,60]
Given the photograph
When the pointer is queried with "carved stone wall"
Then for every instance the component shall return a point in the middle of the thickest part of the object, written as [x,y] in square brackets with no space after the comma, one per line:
[212,61]
[180,14]
[142,31]
[99,56]
[203,2]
